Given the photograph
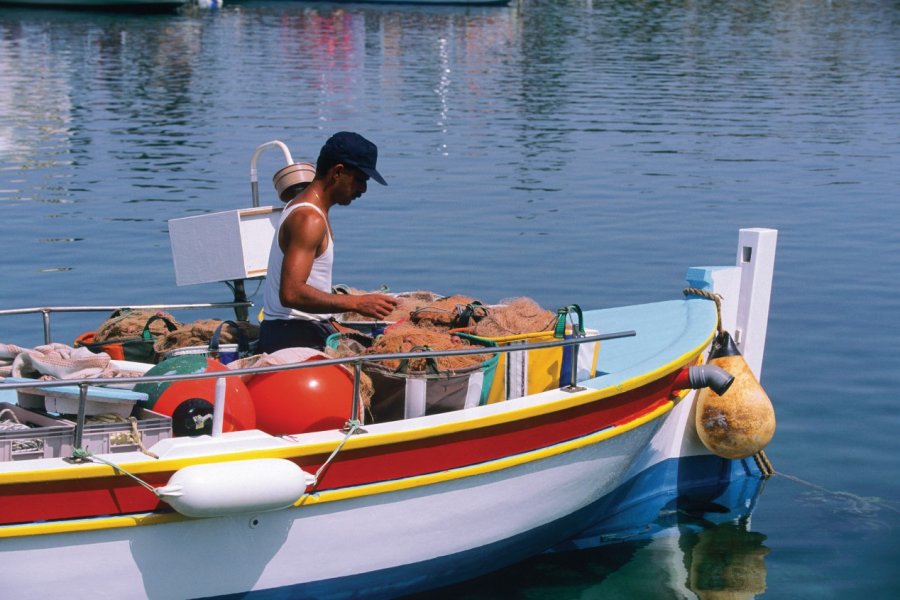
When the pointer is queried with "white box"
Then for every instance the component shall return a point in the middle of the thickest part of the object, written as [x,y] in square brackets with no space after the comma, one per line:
[223,246]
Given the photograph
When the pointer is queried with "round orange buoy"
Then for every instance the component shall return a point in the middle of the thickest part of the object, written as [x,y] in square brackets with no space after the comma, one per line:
[740,422]
[190,402]
[301,400]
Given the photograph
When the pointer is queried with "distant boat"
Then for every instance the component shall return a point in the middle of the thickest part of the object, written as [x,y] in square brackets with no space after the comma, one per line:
[123,5]
[434,2]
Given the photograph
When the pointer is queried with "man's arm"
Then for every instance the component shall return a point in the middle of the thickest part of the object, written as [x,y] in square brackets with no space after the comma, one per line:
[302,235]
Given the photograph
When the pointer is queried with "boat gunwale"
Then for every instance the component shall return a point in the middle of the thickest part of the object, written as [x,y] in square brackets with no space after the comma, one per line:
[503,413]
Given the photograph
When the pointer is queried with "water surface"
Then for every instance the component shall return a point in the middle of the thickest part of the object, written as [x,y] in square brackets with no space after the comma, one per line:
[571,151]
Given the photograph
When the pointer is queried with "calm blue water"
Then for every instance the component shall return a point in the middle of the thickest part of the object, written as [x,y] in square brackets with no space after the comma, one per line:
[571,151]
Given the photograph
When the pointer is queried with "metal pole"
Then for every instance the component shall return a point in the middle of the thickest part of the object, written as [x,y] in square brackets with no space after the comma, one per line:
[218,408]
[357,375]
[240,296]
[46,317]
[254,186]
[79,421]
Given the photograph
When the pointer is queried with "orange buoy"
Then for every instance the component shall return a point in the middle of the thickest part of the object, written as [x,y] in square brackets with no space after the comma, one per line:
[741,422]
[190,402]
[302,400]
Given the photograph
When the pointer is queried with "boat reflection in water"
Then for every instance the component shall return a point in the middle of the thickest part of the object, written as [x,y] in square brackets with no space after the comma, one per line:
[698,545]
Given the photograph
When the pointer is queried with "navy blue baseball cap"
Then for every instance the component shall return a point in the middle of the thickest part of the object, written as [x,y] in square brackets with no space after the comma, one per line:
[355,150]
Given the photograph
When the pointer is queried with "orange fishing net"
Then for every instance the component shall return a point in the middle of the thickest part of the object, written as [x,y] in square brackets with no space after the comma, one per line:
[404,337]
[514,317]
[441,313]
[409,303]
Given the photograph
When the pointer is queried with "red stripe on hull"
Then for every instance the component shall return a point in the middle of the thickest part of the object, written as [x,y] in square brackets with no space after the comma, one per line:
[81,498]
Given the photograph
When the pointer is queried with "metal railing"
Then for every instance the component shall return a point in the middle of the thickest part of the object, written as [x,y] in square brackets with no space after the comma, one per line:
[46,311]
[355,361]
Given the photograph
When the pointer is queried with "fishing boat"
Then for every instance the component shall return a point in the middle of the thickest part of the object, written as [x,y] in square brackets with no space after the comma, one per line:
[383,508]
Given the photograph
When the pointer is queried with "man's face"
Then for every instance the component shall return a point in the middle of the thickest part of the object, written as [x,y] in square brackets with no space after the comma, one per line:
[351,184]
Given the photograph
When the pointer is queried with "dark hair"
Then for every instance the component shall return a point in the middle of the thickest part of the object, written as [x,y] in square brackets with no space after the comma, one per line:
[290,193]
[325,162]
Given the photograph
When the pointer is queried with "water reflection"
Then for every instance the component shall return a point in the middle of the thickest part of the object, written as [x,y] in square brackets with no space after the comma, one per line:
[726,562]
[699,545]
[76,92]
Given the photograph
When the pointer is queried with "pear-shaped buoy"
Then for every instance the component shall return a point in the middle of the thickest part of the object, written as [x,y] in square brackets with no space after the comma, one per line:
[740,422]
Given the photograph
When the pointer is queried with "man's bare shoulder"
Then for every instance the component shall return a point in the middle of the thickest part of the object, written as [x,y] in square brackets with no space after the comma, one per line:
[305,213]
[305,223]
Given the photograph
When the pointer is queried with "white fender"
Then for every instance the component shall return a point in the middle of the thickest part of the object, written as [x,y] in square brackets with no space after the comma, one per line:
[240,486]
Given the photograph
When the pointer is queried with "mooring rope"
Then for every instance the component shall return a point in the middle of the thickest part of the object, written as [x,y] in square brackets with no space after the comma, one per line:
[847,496]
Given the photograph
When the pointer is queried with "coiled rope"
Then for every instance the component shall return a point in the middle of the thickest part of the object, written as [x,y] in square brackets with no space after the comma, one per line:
[10,422]
[762,461]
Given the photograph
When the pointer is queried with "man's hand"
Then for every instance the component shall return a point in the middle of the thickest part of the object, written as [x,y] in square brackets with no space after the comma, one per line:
[377,306]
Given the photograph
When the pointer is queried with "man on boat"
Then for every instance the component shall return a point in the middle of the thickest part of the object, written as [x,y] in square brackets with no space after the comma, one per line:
[298,301]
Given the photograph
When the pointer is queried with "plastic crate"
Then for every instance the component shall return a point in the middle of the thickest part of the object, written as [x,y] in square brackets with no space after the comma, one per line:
[105,438]
[47,438]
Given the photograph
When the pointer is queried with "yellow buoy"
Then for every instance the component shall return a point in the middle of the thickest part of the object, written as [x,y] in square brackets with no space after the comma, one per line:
[740,422]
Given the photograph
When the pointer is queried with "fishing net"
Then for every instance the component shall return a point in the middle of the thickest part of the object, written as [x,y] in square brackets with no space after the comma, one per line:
[130,323]
[407,337]
[443,313]
[514,316]
[409,303]
[199,333]
[347,346]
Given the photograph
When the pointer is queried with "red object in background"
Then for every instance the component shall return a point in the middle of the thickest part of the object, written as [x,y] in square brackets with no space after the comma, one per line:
[301,400]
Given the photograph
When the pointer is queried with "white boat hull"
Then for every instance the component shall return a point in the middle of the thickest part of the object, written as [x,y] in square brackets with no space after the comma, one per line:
[333,546]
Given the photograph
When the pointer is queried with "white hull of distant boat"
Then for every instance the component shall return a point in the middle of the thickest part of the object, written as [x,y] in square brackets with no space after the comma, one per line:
[154,5]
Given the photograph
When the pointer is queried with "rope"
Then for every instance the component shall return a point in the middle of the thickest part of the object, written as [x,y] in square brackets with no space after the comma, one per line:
[717,298]
[763,464]
[354,425]
[83,455]
[8,415]
[138,440]
[868,503]
[10,422]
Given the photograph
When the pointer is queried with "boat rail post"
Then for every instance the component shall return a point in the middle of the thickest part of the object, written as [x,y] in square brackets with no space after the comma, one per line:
[218,407]
[45,316]
[574,348]
[355,401]
[79,420]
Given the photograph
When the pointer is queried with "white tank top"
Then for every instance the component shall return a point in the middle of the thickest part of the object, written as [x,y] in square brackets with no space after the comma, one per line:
[319,276]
